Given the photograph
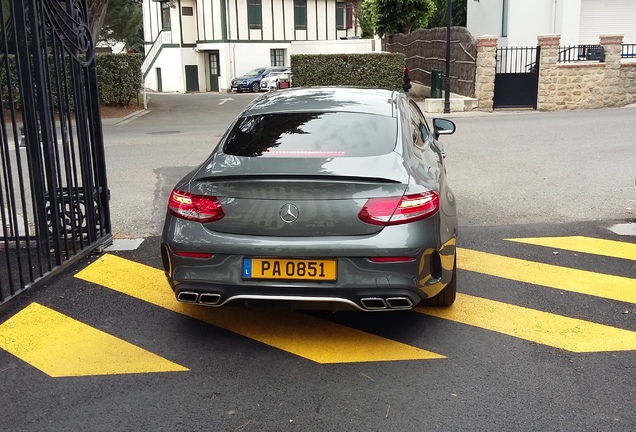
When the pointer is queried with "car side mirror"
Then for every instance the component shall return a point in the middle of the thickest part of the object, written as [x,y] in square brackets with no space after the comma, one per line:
[443,126]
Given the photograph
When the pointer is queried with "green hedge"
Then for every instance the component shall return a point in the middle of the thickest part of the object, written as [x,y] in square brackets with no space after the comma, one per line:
[118,75]
[118,78]
[375,70]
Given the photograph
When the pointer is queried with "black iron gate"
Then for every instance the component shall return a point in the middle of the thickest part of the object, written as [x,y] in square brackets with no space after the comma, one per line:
[517,77]
[53,190]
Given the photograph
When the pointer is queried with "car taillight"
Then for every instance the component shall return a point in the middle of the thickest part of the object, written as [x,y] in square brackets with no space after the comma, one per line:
[399,210]
[395,259]
[202,255]
[198,208]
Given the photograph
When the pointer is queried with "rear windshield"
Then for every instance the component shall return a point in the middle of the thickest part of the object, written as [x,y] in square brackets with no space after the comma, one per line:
[312,135]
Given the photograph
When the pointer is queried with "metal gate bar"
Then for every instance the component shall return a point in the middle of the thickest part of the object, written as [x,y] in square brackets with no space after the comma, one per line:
[53,186]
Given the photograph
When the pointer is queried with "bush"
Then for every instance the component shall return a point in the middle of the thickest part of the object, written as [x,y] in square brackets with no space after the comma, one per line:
[118,78]
[374,70]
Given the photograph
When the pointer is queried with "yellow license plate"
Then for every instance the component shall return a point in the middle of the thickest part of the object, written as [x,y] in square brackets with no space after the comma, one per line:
[298,269]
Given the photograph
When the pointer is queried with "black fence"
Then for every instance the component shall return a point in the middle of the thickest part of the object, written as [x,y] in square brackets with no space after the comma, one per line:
[575,53]
[628,51]
[517,59]
[53,189]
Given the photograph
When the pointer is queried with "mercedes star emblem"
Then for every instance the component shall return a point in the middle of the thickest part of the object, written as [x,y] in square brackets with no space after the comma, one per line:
[289,213]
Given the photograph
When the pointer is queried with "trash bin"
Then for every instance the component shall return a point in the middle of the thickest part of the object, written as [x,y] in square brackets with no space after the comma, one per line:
[436,83]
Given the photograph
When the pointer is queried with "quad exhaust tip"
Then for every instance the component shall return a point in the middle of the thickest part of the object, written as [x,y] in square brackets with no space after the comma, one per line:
[379,303]
[188,297]
[209,298]
[399,303]
[201,298]
[373,303]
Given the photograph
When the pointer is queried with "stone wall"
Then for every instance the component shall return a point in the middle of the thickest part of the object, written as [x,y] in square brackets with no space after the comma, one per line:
[581,85]
[565,86]
[628,78]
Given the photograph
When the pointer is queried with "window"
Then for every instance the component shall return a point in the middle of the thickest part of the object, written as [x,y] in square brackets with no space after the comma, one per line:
[165,16]
[314,134]
[504,19]
[300,14]
[432,151]
[187,11]
[340,15]
[419,125]
[277,56]
[344,15]
[254,14]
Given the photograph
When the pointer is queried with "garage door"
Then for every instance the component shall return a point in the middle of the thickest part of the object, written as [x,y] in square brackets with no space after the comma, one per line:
[607,16]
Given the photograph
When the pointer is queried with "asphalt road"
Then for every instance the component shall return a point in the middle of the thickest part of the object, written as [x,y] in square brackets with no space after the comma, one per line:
[543,335]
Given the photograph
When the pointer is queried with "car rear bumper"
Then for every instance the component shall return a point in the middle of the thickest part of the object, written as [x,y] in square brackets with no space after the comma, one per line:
[360,283]
[241,87]
[366,299]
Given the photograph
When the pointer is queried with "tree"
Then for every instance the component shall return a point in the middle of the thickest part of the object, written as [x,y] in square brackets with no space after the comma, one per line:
[107,19]
[397,16]
[97,10]
[123,21]
[439,16]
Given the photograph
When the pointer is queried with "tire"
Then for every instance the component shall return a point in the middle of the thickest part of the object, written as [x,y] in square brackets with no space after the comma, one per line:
[256,87]
[447,296]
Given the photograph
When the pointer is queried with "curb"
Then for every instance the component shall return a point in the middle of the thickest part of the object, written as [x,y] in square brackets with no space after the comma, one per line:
[130,117]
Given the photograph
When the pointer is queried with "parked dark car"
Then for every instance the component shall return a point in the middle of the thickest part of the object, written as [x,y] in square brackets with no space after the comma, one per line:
[251,81]
[322,198]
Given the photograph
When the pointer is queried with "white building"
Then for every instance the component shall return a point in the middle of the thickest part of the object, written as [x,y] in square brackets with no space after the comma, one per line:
[200,45]
[578,22]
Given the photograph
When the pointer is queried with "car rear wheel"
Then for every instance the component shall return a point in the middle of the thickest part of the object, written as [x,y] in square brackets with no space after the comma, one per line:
[447,296]
[256,87]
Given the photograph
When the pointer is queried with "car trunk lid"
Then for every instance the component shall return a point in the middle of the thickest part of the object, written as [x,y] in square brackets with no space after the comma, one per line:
[282,198]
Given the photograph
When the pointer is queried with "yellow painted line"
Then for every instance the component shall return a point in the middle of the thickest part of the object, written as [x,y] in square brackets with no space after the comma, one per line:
[579,281]
[588,245]
[312,338]
[61,346]
[545,328]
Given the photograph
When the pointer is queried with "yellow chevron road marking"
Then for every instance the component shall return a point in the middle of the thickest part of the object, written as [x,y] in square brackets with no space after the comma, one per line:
[545,328]
[60,346]
[588,245]
[312,338]
[551,276]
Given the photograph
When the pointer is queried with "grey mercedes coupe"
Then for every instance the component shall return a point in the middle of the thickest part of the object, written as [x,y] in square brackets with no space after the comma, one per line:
[329,198]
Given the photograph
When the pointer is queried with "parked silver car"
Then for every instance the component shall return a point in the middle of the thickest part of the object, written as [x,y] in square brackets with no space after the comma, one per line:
[319,197]
[276,79]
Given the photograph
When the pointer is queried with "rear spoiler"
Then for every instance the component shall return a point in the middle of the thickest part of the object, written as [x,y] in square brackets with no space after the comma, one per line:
[387,168]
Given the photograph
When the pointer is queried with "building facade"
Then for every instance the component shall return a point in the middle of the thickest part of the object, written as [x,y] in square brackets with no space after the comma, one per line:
[201,45]
[578,22]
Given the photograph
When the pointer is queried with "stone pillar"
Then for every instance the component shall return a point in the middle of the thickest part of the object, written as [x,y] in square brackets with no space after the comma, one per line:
[548,75]
[615,93]
[612,45]
[485,73]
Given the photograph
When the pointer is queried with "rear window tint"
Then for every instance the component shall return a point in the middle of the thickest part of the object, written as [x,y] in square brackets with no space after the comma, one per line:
[312,135]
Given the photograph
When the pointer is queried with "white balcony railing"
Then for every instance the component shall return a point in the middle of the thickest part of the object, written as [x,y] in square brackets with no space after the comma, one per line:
[164,37]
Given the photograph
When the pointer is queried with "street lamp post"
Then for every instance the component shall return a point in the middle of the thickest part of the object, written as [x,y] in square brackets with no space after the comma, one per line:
[449,11]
